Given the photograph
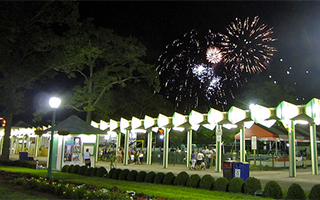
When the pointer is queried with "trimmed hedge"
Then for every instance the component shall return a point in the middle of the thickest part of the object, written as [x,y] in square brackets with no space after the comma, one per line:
[124,174]
[64,168]
[94,171]
[251,185]
[150,177]
[235,185]
[75,169]
[132,175]
[111,172]
[315,192]
[141,176]
[206,182]
[102,172]
[181,179]
[88,171]
[295,191]
[273,190]
[69,169]
[168,178]
[116,173]
[82,170]
[193,181]
[158,178]
[221,184]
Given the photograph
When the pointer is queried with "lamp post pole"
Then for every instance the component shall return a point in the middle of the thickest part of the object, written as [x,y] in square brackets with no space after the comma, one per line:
[54,103]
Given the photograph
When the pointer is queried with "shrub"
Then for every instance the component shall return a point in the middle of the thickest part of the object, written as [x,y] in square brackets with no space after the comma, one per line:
[193,181]
[315,192]
[88,171]
[64,168]
[101,172]
[141,176]
[295,191]
[168,178]
[206,182]
[124,174]
[150,177]
[251,185]
[111,172]
[158,178]
[273,190]
[221,184]
[235,185]
[116,173]
[94,171]
[75,169]
[69,169]
[181,179]
[132,175]
[82,170]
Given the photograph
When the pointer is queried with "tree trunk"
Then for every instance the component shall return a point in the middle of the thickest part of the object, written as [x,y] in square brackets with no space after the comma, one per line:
[6,141]
[89,117]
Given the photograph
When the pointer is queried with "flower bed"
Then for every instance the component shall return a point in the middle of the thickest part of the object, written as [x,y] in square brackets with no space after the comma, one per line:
[69,190]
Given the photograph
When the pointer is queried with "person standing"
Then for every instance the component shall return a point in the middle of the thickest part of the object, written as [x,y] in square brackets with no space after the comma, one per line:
[86,157]
[209,154]
[200,158]
[193,160]
[119,155]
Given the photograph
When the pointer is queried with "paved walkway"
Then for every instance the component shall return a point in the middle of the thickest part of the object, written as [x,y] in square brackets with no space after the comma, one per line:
[304,177]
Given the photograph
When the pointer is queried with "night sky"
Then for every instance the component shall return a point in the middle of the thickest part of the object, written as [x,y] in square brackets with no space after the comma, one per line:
[157,24]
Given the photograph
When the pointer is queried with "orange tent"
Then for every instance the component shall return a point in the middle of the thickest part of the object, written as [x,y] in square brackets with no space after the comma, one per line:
[261,133]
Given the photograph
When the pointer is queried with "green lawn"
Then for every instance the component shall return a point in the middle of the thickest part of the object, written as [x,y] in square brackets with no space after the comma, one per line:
[12,194]
[157,190]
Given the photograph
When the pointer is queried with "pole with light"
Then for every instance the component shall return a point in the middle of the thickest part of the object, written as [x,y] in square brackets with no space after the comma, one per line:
[54,103]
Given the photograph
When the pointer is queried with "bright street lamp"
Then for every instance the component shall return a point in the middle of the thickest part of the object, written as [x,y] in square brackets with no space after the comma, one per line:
[54,103]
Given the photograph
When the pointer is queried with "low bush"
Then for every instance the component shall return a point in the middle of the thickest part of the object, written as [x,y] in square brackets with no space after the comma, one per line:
[235,185]
[101,172]
[82,170]
[295,191]
[116,173]
[193,181]
[181,179]
[111,172]
[69,169]
[251,185]
[221,184]
[64,168]
[150,177]
[158,178]
[88,171]
[94,171]
[168,178]
[141,176]
[124,174]
[132,175]
[315,192]
[273,190]
[75,169]
[206,182]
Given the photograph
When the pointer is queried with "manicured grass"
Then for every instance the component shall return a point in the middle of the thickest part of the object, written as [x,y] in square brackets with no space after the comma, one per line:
[12,194]
[157,190]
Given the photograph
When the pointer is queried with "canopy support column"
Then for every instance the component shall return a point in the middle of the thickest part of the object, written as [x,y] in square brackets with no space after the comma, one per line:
[314,153]
[218,147]
[242,144]
[149,148]
[126,148]
[292,149]
[165,148]
[189,147]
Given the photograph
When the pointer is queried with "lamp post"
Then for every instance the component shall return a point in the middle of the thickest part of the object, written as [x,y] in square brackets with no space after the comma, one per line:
[54,103]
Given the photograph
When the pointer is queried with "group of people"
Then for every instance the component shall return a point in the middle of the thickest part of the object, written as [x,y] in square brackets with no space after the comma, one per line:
[136,157]
[202,159]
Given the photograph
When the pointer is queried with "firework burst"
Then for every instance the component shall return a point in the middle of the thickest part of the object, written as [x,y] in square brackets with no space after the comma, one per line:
[209,67]
[250,50]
